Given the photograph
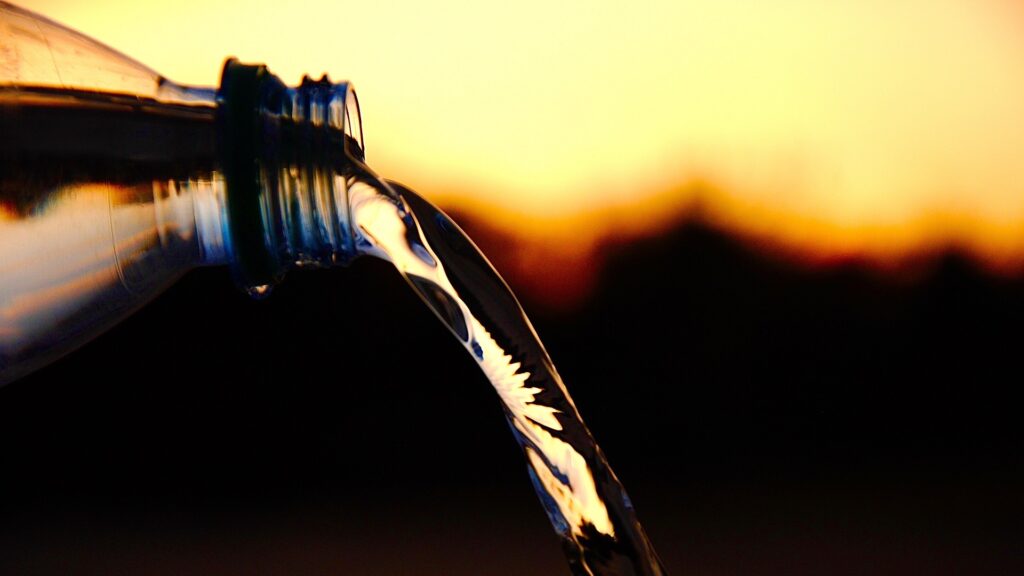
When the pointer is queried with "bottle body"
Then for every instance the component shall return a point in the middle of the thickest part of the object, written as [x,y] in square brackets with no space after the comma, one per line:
[115,181]
[105,202]
[102,166]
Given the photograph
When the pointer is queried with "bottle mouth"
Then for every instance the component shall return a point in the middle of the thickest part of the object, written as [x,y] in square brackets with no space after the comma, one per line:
[280,150]
[355,146]
[322,103]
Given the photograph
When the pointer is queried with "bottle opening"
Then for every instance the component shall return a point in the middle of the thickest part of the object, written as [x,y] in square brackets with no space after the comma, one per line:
[354,145]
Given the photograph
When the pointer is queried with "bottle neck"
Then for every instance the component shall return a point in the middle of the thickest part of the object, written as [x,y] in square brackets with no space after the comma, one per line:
[288,157]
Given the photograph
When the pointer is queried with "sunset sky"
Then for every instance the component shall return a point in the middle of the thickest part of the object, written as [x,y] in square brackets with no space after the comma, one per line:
[868,128]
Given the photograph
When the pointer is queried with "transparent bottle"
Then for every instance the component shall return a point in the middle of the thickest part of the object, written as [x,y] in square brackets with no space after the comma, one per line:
[115,181]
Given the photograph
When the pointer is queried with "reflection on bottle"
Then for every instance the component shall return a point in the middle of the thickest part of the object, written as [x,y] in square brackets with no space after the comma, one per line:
[105,200]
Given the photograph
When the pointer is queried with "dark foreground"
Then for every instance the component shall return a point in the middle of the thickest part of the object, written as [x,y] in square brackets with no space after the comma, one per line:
[799,422]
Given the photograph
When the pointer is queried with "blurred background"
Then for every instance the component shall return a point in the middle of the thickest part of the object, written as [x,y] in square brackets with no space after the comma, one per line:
[776,250]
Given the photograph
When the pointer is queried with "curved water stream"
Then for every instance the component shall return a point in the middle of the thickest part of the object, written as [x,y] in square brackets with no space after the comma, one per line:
[584,500]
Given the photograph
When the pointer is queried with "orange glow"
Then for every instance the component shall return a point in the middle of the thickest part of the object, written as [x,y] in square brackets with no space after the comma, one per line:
[830,130]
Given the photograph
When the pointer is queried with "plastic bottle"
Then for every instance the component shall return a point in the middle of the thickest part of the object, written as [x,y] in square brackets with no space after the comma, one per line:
[115,181]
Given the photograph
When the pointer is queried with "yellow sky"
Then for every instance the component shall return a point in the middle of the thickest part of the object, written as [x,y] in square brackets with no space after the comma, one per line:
[866,125]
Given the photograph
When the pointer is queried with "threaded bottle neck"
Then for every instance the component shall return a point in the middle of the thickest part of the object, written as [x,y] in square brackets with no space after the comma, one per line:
[288,156]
